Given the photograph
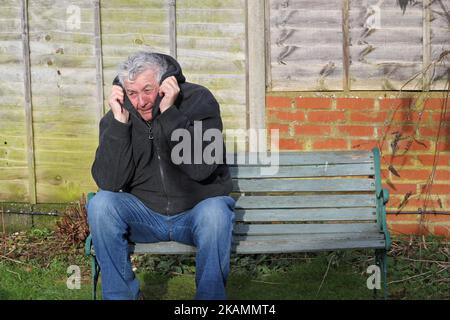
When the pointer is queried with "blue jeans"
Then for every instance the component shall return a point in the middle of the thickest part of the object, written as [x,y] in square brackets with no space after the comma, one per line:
[116,217]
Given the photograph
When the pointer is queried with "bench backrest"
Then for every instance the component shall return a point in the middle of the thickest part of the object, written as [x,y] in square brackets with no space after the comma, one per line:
[314,201]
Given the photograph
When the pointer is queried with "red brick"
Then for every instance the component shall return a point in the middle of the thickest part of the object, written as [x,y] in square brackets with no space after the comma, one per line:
[406,174]
[428,160]
[312,130]
[403,217]
[443,146]
[442,174]
[436,218]
[406,116]
[326,116]
[443,189]
[368,117]
[291,116]
[410,228]
[396,104]
[412,145]
[445,117]
[364,144]
[402,188]
[400,160]
[284,128]
[355,103]
[396,203]
[290,144]
[278,101]
[406,130]
[414,204]
[442,231]
[357,131]
[330,144]
[436,103]
[313,103]
[430,132]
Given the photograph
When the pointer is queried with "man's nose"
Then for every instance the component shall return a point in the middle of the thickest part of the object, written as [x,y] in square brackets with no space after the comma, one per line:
[140,101]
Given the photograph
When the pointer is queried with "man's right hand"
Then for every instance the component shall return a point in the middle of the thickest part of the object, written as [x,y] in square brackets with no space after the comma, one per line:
[116,104]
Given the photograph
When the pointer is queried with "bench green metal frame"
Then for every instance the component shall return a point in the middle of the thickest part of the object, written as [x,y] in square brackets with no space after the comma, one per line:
[317,201]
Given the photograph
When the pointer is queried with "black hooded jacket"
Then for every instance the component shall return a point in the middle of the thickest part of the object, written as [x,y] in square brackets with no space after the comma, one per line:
[136,157]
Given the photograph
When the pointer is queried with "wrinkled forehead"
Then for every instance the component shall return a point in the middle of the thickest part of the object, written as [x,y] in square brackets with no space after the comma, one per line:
[144,79]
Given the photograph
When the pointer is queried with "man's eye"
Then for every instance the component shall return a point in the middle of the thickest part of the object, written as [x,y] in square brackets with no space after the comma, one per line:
[131,94]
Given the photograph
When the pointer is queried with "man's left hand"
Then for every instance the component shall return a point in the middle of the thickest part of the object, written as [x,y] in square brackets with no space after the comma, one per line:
[169,90]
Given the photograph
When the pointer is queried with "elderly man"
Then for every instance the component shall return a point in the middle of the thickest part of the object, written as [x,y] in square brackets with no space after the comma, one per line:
[144,195]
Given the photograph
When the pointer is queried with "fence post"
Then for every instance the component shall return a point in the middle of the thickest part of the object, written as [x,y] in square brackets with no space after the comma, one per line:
[28,103]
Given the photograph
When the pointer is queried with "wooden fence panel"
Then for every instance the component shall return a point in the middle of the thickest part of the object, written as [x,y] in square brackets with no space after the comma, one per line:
[358,45]
[13,146]
[386,46]
[306,45]
[211,50]
[440,42]
[63,97]
[130,26]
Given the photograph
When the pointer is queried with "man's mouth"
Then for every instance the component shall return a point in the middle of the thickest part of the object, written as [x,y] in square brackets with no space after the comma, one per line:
[147,110]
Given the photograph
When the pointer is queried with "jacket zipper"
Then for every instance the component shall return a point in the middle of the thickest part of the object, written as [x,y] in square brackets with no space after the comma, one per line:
[161,171]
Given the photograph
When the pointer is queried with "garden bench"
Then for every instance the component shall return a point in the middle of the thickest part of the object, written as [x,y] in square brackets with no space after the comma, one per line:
[317,201]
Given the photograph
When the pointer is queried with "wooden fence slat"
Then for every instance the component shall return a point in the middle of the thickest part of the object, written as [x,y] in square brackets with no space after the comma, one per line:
[28,103]
[173,28]
[98,59]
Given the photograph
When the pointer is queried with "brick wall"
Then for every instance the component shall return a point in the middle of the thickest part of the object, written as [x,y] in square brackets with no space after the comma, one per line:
[406,123]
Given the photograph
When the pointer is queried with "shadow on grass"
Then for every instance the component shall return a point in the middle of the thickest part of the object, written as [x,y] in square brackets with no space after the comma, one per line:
[306,281]
[154,286]
[312,280]
[4,295]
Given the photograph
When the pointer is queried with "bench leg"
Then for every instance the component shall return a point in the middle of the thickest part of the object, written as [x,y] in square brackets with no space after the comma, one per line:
[381,262]
[95,268]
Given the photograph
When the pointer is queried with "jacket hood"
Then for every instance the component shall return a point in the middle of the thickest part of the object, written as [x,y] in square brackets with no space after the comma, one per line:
[173,69]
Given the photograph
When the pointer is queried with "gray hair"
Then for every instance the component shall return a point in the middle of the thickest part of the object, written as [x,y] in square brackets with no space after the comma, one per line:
[140,62]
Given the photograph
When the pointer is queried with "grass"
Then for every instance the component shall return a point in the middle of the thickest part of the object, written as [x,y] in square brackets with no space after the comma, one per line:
[34,282]
[301,280]
[418,269]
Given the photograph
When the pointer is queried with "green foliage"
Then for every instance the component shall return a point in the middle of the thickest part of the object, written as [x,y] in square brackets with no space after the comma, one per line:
[40,233]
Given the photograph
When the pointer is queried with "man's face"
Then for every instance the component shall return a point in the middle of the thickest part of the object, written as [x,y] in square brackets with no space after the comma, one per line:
[142,93]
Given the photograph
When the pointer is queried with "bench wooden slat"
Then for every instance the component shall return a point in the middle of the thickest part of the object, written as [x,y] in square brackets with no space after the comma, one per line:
[306,244]
[305,201]
[307,158]
[287,246]
[304,185]
[316,237]
[305,228]
[318,170]
[323,214]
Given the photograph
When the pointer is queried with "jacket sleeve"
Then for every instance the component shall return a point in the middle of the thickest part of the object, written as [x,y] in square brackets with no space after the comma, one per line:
[206,115]
[113,166]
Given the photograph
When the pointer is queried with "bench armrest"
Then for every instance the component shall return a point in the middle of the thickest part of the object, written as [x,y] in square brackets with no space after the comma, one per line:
[383,194]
